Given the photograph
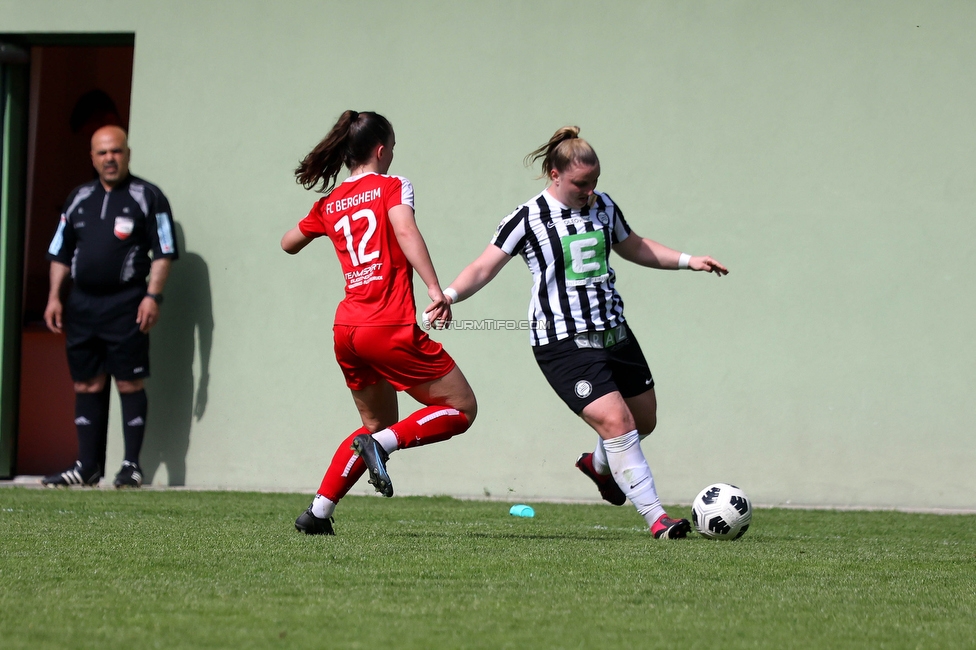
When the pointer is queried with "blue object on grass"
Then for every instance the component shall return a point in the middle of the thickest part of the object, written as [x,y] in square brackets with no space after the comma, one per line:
[520,510]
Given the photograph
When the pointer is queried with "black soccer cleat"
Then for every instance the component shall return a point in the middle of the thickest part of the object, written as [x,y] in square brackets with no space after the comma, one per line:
[76,475]
[311,525]
[375,458]
[130,476]
[608,487]
[667,528]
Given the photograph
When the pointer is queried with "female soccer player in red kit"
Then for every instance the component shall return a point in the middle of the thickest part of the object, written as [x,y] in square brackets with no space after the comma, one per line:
[370,219]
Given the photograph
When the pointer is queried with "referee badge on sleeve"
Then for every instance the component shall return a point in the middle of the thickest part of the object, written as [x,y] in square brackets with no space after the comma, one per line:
[123,227]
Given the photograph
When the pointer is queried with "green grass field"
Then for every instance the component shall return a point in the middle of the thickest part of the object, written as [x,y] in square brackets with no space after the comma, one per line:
[169,569]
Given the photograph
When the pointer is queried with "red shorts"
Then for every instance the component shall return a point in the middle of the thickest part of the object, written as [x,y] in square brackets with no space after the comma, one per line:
[401,354]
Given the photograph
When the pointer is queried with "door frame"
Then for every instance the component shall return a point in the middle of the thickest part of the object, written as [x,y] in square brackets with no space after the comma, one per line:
[14,114]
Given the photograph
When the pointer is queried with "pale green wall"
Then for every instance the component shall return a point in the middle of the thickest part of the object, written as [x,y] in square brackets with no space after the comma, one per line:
[823,150]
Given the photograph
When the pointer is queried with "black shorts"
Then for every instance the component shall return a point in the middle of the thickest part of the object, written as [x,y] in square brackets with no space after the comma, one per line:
[103,336]
[589,366]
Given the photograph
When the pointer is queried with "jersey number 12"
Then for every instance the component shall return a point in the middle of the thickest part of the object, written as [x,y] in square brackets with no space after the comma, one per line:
[345,225]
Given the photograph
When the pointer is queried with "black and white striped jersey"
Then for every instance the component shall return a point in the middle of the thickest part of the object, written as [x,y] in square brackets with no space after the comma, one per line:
[568,252]
[107,237]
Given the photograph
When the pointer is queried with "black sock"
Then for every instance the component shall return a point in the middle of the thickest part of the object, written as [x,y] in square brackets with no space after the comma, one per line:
[134,408]
[91,416]
[106,396]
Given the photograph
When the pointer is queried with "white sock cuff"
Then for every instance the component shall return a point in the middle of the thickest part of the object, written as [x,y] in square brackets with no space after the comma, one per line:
[599,458]
[322,507]
[622,443]
[387,440]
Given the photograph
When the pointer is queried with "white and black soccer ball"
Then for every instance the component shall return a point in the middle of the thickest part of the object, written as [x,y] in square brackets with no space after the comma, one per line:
[722,511]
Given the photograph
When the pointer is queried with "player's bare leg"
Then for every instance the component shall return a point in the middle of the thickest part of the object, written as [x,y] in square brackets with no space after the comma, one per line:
[451,407]
[613,420]
[377,405]
[451,390]
[378,409]
[643,408]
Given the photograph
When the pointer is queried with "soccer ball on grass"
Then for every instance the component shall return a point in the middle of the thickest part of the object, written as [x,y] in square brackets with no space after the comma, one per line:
[722,511]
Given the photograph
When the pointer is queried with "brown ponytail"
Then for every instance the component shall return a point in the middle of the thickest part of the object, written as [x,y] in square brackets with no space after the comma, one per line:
[564,148]
[350,142]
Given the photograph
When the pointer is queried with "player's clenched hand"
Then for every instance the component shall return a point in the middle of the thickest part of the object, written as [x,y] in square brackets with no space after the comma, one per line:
[706,263]
[52,316]
[148,314]
[438,313]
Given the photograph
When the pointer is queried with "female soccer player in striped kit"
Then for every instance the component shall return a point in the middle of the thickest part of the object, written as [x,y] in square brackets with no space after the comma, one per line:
[580,339]
[370,219]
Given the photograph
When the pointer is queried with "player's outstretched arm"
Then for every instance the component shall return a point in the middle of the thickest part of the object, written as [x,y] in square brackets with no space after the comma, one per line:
[415,248]
[647,252]
[479,272]
[294,241]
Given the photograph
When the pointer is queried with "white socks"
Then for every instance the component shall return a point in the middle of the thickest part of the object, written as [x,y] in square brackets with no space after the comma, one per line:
[387,440]
[599,457]
[322,507]
[633,475]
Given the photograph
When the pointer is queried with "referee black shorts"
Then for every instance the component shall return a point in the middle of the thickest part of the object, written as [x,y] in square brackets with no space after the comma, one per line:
[103,336]
[588,366]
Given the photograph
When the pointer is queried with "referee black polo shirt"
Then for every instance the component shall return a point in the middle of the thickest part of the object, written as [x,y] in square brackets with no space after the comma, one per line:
[106,237]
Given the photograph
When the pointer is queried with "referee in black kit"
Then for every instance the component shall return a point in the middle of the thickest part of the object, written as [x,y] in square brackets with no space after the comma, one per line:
[109,228]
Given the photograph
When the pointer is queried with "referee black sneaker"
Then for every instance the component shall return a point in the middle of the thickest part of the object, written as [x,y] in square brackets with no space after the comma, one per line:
[608,487]
[130,476]
[375,458]
[76,475]
[311,525]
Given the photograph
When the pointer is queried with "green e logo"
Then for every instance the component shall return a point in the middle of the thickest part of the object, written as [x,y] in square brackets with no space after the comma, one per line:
[585,258]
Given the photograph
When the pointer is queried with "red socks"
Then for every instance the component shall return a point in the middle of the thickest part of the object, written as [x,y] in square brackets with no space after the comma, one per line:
[428,425]
[344,471]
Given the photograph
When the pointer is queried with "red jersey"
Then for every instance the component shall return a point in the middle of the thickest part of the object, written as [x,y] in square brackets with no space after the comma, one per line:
[379,280]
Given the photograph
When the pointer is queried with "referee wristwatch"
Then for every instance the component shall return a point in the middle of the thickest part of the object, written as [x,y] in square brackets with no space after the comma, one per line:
[158,297]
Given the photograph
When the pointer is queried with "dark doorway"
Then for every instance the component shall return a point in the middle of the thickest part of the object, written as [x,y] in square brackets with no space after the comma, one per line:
[76,85]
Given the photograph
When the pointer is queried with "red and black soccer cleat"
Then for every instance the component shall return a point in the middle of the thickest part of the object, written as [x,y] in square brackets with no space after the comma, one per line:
[608,487]
[667,528]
